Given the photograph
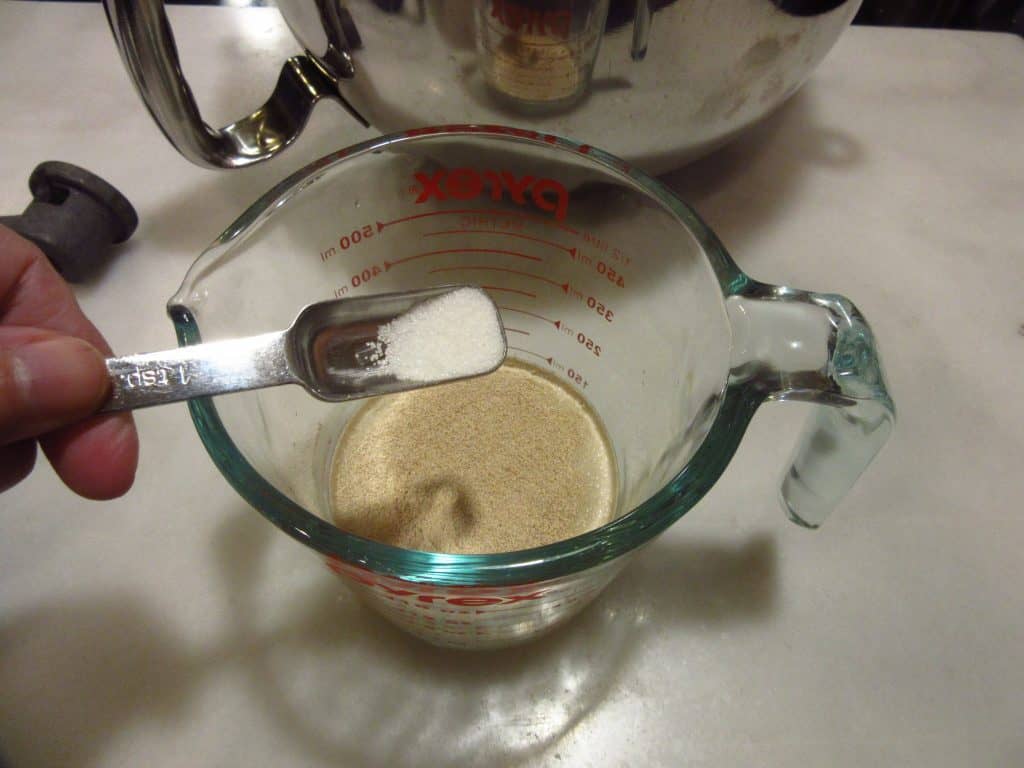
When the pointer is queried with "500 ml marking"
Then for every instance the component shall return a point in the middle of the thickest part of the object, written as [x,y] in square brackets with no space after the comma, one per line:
[351,239]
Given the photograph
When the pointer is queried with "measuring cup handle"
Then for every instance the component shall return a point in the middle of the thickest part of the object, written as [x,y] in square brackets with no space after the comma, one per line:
[818,348]
[146,42]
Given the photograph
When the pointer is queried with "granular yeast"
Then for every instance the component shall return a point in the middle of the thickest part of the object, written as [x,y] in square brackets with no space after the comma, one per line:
[507,461]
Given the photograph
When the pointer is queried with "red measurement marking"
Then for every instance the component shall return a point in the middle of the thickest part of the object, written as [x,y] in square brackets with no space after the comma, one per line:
[563,286]
[532,44]
[516,330]
[556,323]
[482,211]
[389,264]
[500,232]
[528,352]
[509,290]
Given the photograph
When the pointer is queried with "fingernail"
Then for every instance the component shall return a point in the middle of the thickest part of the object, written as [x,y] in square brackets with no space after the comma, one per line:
[62,375]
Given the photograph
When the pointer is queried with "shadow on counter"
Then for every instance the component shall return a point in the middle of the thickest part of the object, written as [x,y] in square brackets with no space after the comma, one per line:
[752,181]
[77,673]
[351,689]
[337,681]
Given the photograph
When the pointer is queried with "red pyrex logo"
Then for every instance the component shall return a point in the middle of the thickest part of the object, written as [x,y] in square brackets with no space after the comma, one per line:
[423,593]
[467,183]
[534,21]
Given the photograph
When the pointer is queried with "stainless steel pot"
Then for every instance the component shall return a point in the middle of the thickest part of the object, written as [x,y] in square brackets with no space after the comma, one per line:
[658,82]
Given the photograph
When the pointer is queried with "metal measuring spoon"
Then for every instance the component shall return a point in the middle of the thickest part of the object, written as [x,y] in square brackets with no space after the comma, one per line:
[331,349]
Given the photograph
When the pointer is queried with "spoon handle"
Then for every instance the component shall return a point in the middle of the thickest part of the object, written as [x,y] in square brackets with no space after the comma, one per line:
[155,378]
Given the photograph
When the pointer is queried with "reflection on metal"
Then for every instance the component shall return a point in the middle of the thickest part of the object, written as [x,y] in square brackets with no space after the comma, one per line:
[148,50]
[656,81]
[641,30]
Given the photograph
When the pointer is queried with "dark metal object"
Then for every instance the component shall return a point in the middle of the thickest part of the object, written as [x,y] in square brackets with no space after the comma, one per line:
[74,217]
[807,7]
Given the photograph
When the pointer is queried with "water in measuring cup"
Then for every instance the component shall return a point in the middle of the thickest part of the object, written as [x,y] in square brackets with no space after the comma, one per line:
[512,460]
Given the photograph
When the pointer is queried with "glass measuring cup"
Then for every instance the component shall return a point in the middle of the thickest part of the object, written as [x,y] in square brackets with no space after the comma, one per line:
[604,279]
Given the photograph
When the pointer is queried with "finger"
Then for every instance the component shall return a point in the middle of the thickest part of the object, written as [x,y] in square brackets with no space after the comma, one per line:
[16,461]
[47,380]
[32,294]
[97,457]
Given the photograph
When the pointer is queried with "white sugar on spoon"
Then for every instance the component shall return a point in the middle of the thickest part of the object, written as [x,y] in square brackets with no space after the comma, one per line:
[334,349]
[451,336]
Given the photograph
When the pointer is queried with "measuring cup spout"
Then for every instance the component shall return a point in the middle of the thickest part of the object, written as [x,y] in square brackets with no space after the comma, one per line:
[812,347]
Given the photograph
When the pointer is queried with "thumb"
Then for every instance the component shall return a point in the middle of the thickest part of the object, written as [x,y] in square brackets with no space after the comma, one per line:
[47,380]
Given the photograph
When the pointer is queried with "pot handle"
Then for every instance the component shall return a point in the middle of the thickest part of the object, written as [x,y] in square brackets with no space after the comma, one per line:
[794,345]
[146,42]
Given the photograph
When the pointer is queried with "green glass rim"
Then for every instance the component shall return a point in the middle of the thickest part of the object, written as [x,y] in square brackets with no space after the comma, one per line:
[736,407]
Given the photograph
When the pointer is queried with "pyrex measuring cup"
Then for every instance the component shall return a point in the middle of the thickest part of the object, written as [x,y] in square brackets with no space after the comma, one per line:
[604,279]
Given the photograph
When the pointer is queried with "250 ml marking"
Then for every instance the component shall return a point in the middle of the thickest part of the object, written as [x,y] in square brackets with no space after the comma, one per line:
[589,343]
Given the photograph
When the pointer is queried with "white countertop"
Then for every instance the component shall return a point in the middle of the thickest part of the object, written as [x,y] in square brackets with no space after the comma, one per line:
[176,627]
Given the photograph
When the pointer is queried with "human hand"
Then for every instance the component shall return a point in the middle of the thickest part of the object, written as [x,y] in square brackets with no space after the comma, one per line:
[52,379]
